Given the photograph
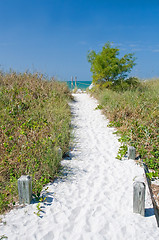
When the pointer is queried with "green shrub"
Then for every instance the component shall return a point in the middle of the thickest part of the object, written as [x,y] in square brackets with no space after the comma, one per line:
[35,120]
[135,113]
[123,85]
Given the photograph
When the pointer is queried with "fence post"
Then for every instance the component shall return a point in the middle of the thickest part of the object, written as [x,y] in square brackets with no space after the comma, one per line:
[71,82]
[75,82]
[139,198]
[131,153]
[25,189]
[59,150]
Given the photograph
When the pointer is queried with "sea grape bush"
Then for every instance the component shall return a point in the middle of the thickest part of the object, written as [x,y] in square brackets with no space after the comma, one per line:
[35,119]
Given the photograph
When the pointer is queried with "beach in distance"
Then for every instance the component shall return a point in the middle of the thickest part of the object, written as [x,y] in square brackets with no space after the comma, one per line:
[80,84]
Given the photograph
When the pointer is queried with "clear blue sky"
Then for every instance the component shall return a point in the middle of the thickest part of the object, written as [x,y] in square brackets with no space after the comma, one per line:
[54,36]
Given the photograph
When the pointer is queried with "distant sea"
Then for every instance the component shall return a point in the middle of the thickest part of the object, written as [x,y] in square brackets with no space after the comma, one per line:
[80,84]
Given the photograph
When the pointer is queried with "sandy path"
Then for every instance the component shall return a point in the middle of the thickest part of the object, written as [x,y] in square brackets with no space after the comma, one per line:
[93,201]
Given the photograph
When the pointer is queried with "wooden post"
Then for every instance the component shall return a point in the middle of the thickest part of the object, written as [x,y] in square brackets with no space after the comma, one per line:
[59,150]
[75,82]
[131,153]
[139,198]
[71,82]
[25,189]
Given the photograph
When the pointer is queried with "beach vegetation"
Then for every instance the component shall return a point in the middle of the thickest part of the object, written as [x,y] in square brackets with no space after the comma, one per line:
[34,123]
[135,115]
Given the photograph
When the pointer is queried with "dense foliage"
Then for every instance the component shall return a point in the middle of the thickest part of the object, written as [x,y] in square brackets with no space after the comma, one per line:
[35,121]
[135,113]
[107,67]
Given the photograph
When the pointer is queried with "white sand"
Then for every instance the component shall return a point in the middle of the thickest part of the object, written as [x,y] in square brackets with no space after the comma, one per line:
[95,198]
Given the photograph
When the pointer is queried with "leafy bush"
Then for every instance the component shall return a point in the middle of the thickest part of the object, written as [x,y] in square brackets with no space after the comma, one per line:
[107,67]
[123,85]
[35,120]
[119,85]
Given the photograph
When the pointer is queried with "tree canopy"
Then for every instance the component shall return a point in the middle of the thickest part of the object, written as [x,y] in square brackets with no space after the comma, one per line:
[106,65]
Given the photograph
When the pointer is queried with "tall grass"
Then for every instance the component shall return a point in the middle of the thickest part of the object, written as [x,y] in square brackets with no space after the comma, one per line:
[135,113]
[35,120]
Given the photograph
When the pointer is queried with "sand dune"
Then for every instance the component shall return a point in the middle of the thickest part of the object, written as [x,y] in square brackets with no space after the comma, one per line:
[93,200]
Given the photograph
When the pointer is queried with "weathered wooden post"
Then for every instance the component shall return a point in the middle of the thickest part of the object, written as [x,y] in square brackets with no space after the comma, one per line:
[59,151]
[25,189]
[131,153]
[75,82]
[71,82]
[139,198]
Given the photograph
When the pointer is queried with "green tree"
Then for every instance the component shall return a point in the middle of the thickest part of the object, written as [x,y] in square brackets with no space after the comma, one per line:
[107,67]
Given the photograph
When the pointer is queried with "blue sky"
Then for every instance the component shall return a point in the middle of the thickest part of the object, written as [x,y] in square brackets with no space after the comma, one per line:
[54,36]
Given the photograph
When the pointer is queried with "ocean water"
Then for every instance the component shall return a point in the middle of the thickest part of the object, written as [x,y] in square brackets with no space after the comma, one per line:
[80,84]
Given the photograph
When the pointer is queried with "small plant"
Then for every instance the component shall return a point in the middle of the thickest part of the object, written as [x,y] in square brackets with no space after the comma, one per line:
[3,237]
[122,151]
[99,107]
[152,175]
[39,210]
[114,124]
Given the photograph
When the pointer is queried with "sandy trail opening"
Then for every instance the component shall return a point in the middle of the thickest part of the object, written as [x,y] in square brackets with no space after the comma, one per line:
[93,200]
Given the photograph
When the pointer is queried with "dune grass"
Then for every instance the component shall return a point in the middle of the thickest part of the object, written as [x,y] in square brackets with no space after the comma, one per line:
[135,114]
[35,121]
